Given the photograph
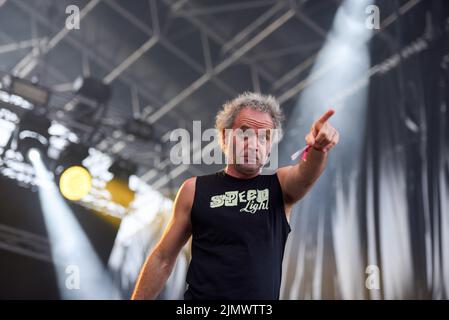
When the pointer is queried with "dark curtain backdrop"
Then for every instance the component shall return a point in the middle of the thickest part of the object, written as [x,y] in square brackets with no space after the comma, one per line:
[389,207]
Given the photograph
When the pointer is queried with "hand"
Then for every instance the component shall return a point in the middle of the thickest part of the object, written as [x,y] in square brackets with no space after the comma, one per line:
[323,136]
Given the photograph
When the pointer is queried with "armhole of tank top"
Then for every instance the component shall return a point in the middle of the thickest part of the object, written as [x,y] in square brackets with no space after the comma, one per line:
[284,215]
[192,209]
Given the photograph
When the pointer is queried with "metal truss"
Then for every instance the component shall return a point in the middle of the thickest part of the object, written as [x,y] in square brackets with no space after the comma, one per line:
[238,49]
[296,87]
[25,243]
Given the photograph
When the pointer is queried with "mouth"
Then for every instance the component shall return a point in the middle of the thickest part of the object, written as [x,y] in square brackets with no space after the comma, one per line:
[249,159]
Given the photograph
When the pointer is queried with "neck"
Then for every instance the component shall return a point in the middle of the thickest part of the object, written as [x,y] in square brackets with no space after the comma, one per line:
[232,171]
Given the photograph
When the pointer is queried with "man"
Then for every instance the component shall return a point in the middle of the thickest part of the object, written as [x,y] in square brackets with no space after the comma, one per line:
[238,218]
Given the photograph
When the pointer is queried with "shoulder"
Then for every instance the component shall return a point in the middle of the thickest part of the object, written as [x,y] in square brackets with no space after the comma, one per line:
[186,193]
[282,174]
[188,186]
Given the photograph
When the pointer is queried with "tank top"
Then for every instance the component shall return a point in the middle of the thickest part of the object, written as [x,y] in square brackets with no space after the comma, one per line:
[239,231]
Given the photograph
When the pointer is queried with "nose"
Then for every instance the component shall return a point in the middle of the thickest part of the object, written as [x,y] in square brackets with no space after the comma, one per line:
[252,148]
[252,142]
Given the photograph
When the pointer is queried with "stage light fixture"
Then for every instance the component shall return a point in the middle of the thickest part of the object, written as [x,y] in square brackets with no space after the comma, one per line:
[74,180]
[93,89]
[83,112]
[139,128]
[122,169]
[72,155]
[34,93]
[75,183]
[118,186]
[32,132]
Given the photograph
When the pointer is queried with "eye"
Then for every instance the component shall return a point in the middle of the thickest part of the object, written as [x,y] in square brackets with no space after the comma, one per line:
[250,133]
[239,133]
[264,136]
[245,133]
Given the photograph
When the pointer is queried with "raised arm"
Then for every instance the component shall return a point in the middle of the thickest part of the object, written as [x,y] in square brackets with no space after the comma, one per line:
[298,179]
[159,264]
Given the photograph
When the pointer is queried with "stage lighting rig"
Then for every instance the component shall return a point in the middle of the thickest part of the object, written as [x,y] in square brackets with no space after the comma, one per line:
[74,180]
[32,132]
[118,186]
[139,128]
[30,91]
[93,89]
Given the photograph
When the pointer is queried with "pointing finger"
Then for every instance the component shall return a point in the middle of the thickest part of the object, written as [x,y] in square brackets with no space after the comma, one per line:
[329,113]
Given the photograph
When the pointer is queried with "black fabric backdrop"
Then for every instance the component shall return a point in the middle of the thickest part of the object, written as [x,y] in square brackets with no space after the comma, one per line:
[391,205]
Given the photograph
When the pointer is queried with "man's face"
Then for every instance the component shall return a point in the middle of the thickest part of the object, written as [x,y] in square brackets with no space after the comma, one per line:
[251,140]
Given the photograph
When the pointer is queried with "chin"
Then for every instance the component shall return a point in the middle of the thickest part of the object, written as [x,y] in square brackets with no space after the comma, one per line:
[248,168]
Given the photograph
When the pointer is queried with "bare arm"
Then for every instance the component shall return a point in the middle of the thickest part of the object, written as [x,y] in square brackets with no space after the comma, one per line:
[298,179]
[159,263]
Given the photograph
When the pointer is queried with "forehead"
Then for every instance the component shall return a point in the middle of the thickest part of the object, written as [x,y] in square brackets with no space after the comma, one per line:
[253,119]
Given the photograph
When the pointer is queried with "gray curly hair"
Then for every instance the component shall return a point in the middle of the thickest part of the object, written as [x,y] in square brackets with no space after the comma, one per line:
[265,103]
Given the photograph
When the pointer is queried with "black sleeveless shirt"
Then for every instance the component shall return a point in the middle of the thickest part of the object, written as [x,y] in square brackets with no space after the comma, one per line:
[239,230]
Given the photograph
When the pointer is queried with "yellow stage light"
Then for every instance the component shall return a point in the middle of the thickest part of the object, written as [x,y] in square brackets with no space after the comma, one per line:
[120,192]
[75,183]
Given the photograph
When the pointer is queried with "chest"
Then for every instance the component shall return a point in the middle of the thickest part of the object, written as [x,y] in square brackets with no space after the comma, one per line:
[235,214]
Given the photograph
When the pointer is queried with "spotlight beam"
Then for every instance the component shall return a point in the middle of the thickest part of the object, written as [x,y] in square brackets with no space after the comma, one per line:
[71,250]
